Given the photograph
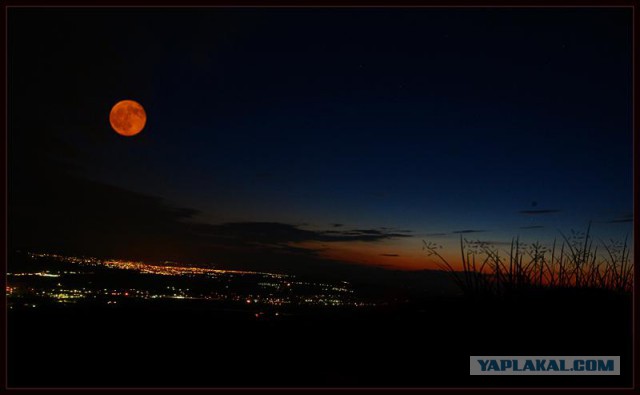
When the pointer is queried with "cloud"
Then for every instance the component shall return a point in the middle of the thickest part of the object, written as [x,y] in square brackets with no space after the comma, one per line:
[620,220]
[532,227]
[367,231]
[84,216]
[398,230]
[277,233]
[435,234]
[537,212]
[337,225]
[390,255]
[468,231]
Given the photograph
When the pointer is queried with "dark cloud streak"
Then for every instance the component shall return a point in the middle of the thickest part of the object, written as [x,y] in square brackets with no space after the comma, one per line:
[468,231]
[275,232]
[620,220]
[538,212]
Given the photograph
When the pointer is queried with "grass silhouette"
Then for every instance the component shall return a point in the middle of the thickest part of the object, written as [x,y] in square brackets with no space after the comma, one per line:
[576,261]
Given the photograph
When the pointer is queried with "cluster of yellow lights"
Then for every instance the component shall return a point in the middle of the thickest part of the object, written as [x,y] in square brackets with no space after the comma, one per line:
[38,274]
[271,280]
[169,269]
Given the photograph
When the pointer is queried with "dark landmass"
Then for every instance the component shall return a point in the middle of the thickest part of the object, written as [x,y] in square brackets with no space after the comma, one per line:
[414,339]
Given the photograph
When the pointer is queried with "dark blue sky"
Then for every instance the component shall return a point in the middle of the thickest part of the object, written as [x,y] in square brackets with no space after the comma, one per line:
[419,121]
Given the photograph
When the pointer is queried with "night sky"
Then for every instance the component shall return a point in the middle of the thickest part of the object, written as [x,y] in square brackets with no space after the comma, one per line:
[294,139]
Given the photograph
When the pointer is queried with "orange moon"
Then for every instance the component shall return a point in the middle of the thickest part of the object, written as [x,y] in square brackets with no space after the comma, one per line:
[128,118]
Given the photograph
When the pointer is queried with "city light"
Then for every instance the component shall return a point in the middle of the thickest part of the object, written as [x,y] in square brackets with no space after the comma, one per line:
[192,283]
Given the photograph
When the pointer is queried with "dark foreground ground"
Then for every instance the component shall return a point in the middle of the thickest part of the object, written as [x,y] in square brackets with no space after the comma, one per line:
[425,344]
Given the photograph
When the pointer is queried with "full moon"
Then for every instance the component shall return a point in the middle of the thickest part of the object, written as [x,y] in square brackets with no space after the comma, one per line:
[127,118]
